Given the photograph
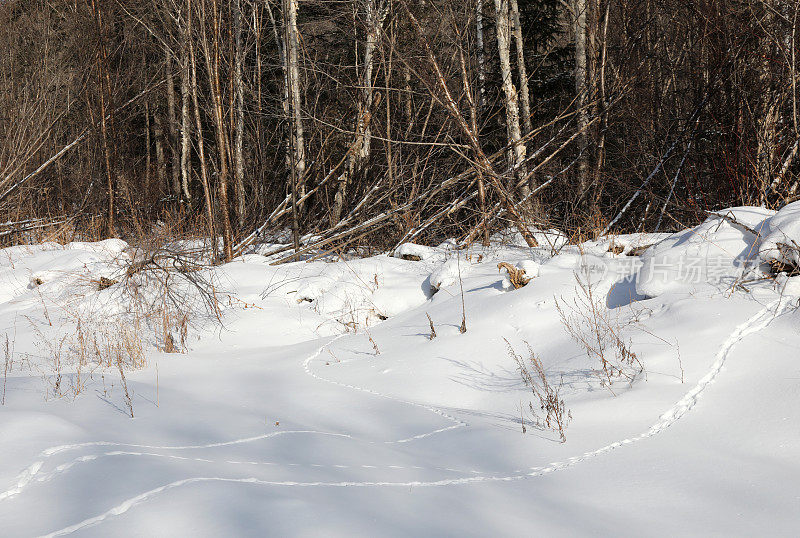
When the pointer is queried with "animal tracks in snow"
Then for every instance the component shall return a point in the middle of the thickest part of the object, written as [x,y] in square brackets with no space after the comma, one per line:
[35,473]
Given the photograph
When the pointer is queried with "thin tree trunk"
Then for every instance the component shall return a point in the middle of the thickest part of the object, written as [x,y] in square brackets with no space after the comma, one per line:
[200,144]
[186,126]
[172,123]
[481,57]
[473,116]
[524,94]
[579,14]
[374,16]
[601,139]
[260,144]
[769,113]
[238,154]
[212,55]
[517,153]
[105,95]
[148,170]
[161,163]
[281,44]
[293,72]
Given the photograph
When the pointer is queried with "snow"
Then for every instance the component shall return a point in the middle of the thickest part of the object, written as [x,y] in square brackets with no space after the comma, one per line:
[781,241]
[717,251]
[308,413]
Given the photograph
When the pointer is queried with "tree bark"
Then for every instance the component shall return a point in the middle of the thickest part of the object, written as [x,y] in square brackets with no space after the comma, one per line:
[517,153]
[481,56]
[209,208]
[375,14]
[104,86]
[172,123]
[161,164]
[293,75]
[524,94]
[238,154]
[211,52]
[281,44]
[579,14]
[186,126]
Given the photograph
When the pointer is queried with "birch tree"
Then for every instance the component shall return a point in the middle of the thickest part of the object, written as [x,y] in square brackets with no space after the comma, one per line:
[524,93]
[579,17]
[375,12]
[293,86]
[517,152]
[238,83]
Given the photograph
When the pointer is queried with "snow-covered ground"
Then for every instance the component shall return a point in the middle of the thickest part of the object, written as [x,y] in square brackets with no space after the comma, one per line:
[323,407]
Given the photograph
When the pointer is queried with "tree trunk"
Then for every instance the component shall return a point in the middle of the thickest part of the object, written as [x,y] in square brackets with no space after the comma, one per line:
[200,143]
[580,7]
[148,170]
[104,87]
[186,126]
[769,112]
[161,164]
[524,94]
[481,57]
[172,123]
[238,154]
[211,52]
[517,153]
[293,75]
[281,44]
[600,153]
[360,153]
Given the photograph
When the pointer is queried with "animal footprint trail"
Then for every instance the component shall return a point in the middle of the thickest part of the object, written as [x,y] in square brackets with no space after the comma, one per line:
[675,413]
[34,473]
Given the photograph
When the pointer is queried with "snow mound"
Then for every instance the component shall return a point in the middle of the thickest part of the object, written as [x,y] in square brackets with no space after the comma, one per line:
[363,292]
[448,274]
[625,244]
[412,251]
[717,252]
[781,241]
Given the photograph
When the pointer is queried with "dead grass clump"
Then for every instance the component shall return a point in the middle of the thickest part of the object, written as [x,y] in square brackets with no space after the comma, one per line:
[104,283]
[73,357]
[433,329]
[515,275]
[598,330]
[126,393]
[552,413]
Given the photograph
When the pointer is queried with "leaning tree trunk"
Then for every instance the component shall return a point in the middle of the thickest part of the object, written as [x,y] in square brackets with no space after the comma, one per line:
[517,153]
